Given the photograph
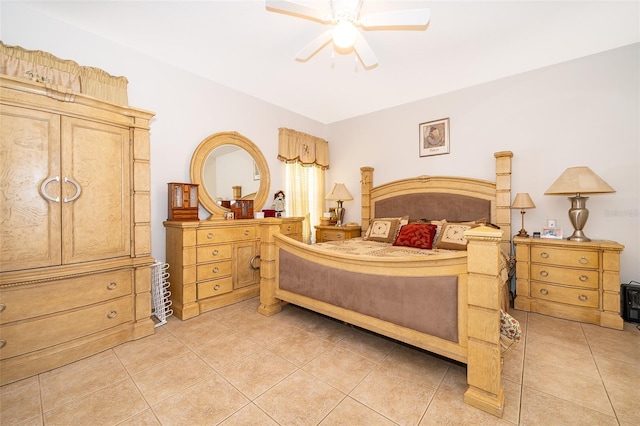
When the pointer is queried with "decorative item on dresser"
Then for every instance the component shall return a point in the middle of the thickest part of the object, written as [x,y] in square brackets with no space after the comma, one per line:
[522,201]
[339,193]
[573,280]
[75,264]
[578,180]
[183,201]
[336,233]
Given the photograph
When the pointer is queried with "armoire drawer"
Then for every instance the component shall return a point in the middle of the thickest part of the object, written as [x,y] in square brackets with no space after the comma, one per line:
[575,277]
[223,234]
[214,287]
[31,335]
[568,295]
[289,228]
[563,257]
[29,301]
[214,270]
[213,253]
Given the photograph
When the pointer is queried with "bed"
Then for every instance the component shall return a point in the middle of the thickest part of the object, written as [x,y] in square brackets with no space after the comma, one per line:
[447,301]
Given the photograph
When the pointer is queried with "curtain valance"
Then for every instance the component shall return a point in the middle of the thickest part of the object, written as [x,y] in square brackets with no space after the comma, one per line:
[36,65]
[294,146]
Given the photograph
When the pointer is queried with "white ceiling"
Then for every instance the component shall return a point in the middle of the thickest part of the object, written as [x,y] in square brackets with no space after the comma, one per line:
[241,45]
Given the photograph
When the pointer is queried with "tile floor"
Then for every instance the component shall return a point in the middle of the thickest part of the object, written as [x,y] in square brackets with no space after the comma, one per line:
[233,366]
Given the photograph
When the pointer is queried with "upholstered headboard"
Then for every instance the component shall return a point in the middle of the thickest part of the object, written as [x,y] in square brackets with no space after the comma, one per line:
[443,197]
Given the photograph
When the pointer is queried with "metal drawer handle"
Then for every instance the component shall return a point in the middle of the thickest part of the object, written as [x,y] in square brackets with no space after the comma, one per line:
[246,232]
[112,286]
[43,191]
[544,255]
[3,343]
[112,314]
[339,236]
[210,235]
[216,287]
[544,273]
[324,235]
[216,270]
[2,307]
[215,252]
[544,291]
[78,190]
[583,260]
[583,298]
[289,228]
[252,262]
[584,278]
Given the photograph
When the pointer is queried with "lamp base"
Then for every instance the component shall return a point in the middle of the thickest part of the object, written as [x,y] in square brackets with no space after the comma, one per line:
[578,215]
[522,233]
[339,214]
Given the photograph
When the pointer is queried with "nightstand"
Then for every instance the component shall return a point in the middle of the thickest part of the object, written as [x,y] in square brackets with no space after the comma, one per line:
[578,281]
[336,233]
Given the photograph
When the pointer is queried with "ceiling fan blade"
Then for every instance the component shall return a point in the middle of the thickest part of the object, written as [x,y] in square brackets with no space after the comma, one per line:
[299,10]
[364,52]
[312,48]
[396,18]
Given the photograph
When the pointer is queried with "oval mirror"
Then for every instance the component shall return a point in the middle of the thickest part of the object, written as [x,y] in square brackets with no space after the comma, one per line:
[228,166]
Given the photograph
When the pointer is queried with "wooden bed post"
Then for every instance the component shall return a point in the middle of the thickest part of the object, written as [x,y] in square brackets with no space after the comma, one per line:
[269,305]
[366,182]
[483,361]
[503,197]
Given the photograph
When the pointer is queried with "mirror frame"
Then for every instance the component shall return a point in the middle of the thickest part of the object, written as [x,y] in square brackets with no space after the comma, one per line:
[203,151]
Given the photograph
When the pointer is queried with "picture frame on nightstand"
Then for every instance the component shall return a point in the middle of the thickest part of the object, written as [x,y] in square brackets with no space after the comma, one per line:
[549,232]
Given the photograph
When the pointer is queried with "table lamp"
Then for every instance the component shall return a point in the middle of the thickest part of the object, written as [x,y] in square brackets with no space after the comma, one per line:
[339,193]
[578,180]
[522,201]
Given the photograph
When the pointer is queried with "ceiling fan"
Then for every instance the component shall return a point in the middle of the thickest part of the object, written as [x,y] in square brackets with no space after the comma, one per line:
[345,18]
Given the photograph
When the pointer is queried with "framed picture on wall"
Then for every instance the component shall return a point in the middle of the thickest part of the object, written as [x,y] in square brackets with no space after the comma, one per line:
[434,137]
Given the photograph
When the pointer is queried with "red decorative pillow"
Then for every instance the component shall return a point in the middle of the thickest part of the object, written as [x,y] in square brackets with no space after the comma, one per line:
[418,235]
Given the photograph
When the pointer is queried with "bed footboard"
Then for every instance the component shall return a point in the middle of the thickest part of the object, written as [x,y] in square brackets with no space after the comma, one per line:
[479,284]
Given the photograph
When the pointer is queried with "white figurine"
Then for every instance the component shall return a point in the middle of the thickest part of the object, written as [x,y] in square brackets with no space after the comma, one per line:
[278,203]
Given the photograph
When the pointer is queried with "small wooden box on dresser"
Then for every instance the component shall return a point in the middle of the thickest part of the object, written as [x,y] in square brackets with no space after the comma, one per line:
[336,233]
[578,281]
[215,263]
[75,231]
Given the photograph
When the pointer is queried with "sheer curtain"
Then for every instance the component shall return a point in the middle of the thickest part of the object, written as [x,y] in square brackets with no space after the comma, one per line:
[306,159]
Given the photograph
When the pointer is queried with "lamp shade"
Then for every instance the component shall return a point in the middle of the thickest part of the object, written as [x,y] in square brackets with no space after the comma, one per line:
[523,201]
[579,180]
[339,192]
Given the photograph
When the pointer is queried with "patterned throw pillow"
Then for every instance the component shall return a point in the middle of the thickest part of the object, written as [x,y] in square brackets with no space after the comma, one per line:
[383,229]
[418,235]
[452,235]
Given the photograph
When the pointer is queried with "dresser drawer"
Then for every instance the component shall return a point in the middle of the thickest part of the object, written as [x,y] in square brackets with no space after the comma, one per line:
[213,253]
[223,234]
[331,235]
[571,296]
[574,277]
[214,270]
[564,257]
[31,335]
[291,228]
[214,287]
[23,302]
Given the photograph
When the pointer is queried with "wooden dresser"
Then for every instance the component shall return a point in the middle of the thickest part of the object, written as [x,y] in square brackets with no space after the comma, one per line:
[75,275]
[336,233]
[573,280]
[216,262]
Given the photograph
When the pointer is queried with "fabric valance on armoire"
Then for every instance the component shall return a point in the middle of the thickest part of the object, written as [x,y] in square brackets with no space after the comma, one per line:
[294,146]
[36,65]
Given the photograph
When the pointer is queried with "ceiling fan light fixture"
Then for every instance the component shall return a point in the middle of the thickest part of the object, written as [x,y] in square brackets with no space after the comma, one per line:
[344,34]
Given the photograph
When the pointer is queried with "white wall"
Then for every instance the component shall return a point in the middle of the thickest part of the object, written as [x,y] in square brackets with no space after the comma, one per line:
[583,112]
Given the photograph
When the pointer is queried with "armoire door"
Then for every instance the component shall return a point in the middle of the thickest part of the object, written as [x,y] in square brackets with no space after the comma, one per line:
[30,214]
[96,203]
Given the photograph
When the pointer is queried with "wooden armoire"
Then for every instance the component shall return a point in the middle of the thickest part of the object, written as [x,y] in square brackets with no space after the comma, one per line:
[75,232]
